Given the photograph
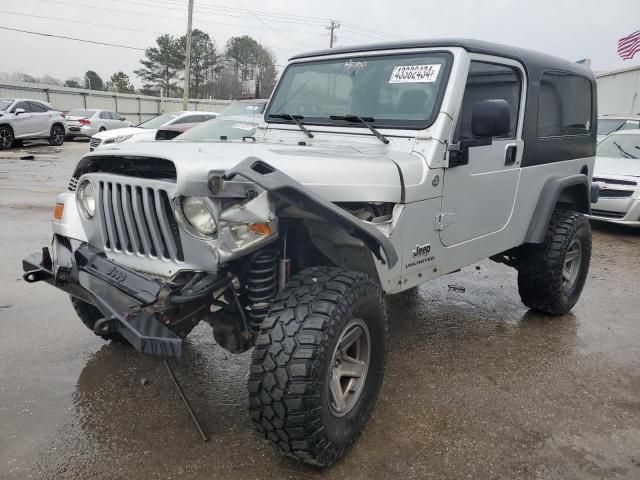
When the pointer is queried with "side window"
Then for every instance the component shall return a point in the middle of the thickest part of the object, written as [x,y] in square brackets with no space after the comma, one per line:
[114,116]
[189,119]
[105,116]
[38,107]
[490,81]
[565,105]
[23,105]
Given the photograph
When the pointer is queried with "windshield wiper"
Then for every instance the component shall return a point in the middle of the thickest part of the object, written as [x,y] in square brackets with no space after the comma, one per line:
[294,118]
[623,151]
[363,120]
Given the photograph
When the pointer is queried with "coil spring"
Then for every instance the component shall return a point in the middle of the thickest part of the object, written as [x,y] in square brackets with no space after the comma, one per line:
[262,286]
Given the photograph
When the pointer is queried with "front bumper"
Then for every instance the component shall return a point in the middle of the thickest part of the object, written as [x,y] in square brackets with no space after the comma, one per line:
[135,305]
[622,211]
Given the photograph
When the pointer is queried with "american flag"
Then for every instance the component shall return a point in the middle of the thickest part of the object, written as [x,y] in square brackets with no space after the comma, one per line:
[629,45]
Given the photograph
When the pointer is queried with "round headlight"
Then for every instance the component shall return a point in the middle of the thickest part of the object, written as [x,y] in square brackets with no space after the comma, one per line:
[86,199]
[198,215]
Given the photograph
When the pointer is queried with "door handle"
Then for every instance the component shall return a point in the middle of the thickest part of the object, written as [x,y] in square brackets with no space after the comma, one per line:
[511,155]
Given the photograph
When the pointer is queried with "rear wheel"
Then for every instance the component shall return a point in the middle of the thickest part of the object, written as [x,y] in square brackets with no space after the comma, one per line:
[551,276]
[89,315]
[56,137]
[6,137]
[318,364]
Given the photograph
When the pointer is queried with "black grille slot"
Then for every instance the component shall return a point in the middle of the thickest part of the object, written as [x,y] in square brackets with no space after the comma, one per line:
[615,193]
[606,213]
[615,181]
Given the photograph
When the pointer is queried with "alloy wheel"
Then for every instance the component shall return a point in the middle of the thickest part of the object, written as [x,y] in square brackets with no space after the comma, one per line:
[349,366]
[571,265]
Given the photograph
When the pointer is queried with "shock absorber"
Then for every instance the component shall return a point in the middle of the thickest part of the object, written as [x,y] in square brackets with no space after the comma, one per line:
[262,286]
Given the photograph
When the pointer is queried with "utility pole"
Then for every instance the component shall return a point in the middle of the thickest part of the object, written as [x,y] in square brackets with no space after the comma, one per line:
[334,25]
[187,60]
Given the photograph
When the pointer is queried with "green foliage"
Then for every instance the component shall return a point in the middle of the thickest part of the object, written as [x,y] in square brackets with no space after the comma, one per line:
[161,65]
[204,60]
[73,83]
[119,82]
[93,81]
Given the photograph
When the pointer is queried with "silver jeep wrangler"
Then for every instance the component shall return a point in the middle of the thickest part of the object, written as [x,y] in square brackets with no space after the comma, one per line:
[376,168]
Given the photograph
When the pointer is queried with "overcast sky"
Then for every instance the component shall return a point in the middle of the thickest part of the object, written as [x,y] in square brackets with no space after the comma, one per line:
[573,29]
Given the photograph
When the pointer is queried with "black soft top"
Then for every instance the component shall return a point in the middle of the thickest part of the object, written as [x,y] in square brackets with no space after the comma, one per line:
[532,61]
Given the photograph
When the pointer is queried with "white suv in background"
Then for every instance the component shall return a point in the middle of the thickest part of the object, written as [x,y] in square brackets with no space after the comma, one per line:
[147,130]
[25,119]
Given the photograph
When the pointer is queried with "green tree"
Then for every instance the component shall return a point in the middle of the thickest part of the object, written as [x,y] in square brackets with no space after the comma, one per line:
[161,65]
[252,62]
[73,83]
[203,60]
[93,81]
[119,82]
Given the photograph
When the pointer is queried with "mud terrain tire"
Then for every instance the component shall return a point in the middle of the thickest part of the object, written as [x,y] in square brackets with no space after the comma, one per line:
[89,315]
[299,349]
[545,282]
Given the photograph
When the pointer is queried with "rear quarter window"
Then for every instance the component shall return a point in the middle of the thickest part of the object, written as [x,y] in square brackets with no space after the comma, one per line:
[565,105]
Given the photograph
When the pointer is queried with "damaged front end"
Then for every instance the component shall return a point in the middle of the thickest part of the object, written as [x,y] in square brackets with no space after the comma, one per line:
[155,261]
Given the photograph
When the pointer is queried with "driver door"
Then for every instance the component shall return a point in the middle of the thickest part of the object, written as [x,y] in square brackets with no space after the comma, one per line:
[478,196]
[24,123]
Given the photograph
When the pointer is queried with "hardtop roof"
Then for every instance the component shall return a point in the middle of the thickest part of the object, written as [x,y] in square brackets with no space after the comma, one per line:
[529,58]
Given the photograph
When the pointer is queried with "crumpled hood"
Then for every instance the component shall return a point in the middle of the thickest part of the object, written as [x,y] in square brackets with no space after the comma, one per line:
[617,166]
[337,173]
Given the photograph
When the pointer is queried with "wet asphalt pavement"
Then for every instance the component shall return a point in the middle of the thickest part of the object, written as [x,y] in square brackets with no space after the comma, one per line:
[476,386]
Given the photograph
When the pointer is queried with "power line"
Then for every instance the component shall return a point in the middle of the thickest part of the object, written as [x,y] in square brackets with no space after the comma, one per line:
[81,22]
[332,28]
[73,38]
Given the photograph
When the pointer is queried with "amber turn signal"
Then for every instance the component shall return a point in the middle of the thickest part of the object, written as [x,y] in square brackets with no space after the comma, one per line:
[57,211]
[260,228]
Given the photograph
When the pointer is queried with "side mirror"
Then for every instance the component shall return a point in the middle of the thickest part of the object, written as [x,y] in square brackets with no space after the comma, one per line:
[18,111]
[122,119]
[491,118]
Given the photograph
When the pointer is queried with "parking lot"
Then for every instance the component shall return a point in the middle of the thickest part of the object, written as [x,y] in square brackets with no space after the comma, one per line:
[476,386]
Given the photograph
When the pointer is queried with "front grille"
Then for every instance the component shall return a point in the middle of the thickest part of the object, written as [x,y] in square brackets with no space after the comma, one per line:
[615,193]
[606,213]
[615,181]
[167,134]
[94,142]
[139,220]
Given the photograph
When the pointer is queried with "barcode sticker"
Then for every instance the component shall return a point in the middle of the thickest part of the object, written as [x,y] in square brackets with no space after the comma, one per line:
[415,73]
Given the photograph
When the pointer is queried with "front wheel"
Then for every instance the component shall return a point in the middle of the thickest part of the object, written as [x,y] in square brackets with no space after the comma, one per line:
[551,276]
[318,364]
[7,138]
[56,137]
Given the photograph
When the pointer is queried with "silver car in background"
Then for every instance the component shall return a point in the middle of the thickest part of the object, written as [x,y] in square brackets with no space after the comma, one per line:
[617,174]
[26,119]
[88,122]
[608,124]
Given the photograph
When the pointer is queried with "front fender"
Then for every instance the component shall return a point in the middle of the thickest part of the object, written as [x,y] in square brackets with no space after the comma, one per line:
[290,191]
[70,225]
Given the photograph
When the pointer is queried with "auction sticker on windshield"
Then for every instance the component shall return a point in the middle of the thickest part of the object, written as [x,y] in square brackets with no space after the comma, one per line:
[414,73]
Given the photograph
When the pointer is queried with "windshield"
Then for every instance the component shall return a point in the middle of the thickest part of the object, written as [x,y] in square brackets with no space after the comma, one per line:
[214,129]
[158,121]
[243,109]
[4,104]
[620,146]
[609,125]
[401,91]
[80,113]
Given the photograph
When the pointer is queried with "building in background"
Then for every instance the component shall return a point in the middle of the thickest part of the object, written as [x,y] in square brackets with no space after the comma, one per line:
[619,92]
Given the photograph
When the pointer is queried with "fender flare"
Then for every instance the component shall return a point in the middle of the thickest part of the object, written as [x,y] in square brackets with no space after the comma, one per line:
[290,191]
[552,191]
